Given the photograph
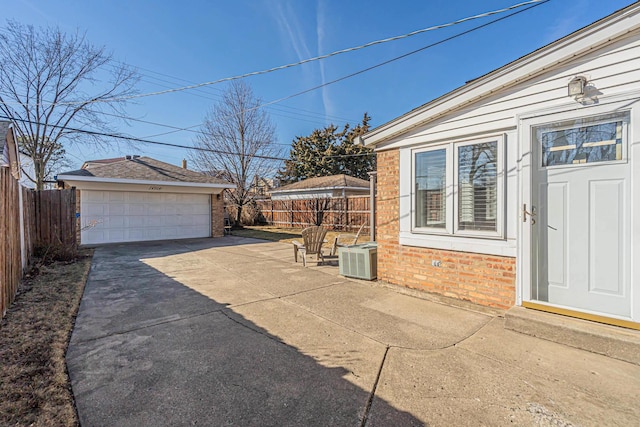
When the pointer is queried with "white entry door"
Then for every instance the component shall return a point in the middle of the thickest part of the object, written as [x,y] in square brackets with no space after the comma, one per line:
[581,240]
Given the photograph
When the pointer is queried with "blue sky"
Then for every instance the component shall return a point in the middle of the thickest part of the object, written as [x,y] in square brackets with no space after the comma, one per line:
[177,43]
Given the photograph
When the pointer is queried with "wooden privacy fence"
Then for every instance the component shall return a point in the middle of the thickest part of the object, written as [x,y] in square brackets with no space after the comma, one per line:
[338,213]
[11,248]
[54,220]
[43,219]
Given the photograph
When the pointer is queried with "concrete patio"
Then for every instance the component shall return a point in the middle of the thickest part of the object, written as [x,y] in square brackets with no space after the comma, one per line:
[231,331]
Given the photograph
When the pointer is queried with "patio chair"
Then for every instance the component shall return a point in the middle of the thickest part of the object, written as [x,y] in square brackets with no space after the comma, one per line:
[313,238]
[338,243]
[227,224]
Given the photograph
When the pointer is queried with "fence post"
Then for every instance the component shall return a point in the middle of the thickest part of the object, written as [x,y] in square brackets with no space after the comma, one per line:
[347,226]
[292,213]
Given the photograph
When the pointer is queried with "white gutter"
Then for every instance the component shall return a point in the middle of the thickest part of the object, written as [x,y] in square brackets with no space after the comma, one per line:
[320,188]
[71,178]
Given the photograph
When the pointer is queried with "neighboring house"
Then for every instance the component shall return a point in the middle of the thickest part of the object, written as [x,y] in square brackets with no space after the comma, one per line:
[26,162]
[322,187]
[138,198]
[262,187]
[522,187]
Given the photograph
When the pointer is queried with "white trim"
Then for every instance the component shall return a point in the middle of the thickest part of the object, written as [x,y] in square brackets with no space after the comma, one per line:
[590,38]
[451,229]
[150,231]
[484,246]
[526,122]
[447,230]
[76,178]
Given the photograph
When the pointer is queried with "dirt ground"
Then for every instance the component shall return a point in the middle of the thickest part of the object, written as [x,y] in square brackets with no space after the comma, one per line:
[34,335]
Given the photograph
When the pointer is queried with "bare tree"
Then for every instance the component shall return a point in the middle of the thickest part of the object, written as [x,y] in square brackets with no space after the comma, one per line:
[315,210]
[237,143]
[51,82]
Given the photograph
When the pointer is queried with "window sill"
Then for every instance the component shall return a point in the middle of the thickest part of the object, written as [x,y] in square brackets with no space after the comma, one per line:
[460,244]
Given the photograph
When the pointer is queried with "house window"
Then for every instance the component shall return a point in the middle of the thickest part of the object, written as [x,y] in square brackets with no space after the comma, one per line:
[459,189]
[430,187]
[477,185]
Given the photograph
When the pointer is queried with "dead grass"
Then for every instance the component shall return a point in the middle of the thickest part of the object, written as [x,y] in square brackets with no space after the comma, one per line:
[287,235]
[34,335]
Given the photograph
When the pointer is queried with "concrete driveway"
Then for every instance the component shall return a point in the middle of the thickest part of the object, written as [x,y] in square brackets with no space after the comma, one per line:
[230,331]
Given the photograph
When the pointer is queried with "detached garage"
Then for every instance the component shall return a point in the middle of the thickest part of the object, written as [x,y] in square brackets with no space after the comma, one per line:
[134,199]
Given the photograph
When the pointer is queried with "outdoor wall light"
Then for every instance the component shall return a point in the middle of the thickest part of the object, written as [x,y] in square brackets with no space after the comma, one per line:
[577,85]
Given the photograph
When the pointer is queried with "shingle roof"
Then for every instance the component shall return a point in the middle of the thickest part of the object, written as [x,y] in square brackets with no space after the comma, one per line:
[332,181]
[143,169]
[90,163]
[4,126]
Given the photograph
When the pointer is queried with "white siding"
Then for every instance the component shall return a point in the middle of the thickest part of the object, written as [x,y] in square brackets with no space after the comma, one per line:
[612,70]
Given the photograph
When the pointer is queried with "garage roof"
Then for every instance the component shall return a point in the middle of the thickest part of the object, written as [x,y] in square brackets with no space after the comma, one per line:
[325,182]
[139,169]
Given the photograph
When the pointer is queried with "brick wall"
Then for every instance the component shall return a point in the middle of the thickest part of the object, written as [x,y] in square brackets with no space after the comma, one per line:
[217,215]
[483,279]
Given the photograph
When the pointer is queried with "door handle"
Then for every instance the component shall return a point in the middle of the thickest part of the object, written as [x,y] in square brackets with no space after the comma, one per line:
[525,212]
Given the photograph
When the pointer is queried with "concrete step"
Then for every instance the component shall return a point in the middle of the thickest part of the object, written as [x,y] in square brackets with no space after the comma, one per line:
[612,341]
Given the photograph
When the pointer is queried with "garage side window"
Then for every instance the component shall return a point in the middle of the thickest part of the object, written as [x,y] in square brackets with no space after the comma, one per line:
[459,189]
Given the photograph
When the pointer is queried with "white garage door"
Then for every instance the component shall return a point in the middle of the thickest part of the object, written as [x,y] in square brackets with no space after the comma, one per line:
[123,216]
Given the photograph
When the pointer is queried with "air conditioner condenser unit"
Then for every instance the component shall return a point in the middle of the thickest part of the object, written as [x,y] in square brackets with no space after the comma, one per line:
[359,261]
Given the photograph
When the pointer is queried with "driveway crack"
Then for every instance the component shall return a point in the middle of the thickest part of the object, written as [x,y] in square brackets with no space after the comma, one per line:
[149,325]
[372,395]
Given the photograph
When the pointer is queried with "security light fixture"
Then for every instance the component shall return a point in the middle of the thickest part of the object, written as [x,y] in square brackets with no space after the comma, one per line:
[577,85]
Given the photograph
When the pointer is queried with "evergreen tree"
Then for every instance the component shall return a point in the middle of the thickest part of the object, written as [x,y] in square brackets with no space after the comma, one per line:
[329,151]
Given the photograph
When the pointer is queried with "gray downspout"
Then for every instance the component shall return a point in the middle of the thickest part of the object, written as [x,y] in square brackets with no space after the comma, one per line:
[372,205]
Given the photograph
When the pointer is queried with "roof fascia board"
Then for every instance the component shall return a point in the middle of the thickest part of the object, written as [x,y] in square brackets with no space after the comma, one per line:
[542,60]
[77,178]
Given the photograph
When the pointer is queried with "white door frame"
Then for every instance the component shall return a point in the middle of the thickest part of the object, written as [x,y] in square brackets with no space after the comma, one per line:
[628,102]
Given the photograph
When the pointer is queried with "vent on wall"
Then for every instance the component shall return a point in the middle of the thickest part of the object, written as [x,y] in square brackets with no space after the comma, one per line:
[359,261]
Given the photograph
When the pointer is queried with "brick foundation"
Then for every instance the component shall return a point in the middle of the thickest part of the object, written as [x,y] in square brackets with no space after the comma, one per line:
[482,279]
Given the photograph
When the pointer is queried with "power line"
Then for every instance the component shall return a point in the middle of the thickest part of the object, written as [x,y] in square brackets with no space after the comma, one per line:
[296,110]
[533,4]
[128,118]
[177,129]
[316,58]
[380,64]
[318,119]
[167,144]
[145,141]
